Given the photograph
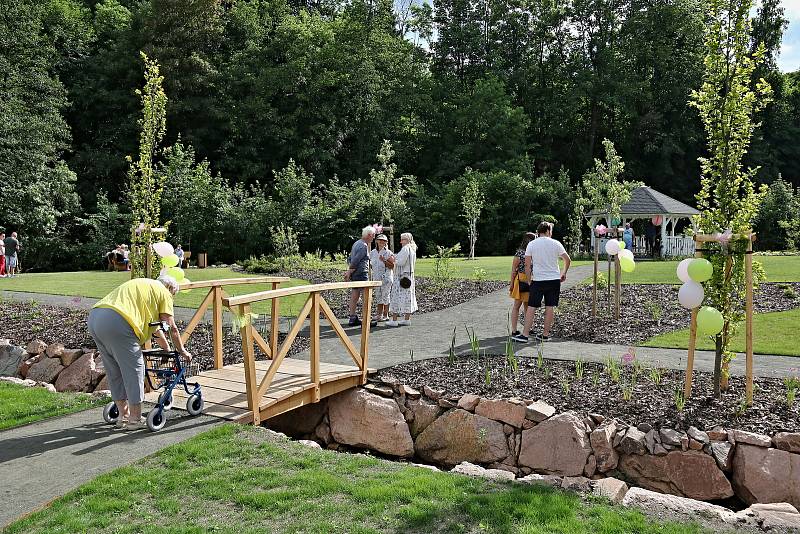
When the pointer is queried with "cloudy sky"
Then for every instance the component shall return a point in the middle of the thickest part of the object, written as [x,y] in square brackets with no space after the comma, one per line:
[789,59]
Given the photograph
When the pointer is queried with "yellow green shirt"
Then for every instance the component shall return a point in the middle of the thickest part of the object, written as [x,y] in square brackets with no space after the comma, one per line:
[140,302]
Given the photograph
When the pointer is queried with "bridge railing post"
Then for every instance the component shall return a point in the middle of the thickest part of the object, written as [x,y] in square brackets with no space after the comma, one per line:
[246,329]
[314,334]
[365,327]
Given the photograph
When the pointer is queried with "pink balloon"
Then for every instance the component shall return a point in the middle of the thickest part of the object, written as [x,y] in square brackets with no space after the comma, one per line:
[657,220]
[601,229]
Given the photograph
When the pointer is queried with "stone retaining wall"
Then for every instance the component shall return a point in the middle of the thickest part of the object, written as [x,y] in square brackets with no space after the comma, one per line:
[54,366]
[524,437]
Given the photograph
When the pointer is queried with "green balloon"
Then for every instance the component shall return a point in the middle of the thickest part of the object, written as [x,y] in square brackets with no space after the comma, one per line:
[176,273]
[700,270]
[710,321]
[627,265]
[170,261]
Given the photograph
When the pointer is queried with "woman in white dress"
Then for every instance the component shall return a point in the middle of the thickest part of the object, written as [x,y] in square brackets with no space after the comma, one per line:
[404,299]
[382,260]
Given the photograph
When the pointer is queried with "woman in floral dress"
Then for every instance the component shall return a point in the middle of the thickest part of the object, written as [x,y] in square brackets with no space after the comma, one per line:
[382,260]
[404,299]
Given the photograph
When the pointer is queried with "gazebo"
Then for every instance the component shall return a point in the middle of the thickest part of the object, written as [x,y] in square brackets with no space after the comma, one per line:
[647,203]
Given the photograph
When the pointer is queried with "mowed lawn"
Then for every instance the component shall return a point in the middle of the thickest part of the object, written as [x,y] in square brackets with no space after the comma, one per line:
[773,333]
[97,284]
[20,405]
[778,269]
[236,479]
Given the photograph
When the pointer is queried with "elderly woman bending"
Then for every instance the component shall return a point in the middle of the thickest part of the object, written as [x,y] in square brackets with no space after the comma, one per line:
[120,326]
[404,297]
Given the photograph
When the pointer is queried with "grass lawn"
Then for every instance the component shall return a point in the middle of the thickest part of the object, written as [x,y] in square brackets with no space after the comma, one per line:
[235,479]
[97,284]
[778,269]
[773,333]
[20,405]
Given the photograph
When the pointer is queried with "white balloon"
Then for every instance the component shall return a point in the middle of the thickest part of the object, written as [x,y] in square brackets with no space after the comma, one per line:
[626,253]
[612,247]
[683,270]
[691,295]
[163,249]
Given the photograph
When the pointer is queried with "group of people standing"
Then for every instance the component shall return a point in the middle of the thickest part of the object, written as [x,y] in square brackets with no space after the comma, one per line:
[9,250]
[396,296]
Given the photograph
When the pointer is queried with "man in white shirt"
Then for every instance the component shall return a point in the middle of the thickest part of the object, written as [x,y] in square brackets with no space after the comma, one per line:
[541,266]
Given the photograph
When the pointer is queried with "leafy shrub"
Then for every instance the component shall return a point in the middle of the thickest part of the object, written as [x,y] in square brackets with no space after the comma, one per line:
[443,269]
[284,241]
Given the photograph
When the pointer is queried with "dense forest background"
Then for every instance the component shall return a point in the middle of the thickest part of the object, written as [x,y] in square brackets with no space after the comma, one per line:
[279,112]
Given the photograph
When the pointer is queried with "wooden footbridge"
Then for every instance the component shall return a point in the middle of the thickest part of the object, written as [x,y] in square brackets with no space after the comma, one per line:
[252,391]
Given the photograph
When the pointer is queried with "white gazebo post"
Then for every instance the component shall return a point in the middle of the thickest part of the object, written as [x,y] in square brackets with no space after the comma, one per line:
[664,235]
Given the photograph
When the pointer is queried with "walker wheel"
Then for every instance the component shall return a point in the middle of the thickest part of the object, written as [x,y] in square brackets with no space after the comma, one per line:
[110,413]
[194,405]
[156,419]
[167,401]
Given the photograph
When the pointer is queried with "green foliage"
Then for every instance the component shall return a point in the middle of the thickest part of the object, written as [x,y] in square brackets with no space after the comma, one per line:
[778,212]
[471,206]
[284,241]
[603,187]
[443,270]
[728,199]
[146,185]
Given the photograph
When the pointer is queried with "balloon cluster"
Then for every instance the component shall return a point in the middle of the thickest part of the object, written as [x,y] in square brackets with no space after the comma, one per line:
[378,228]
[617,248]
[692,272]
[170,261]
[601,229]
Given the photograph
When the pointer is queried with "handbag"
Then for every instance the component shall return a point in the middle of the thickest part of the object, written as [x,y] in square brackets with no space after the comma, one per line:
[405,280]
[523,287]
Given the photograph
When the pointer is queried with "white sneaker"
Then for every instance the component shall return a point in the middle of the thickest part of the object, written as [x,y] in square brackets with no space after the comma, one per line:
[120,424]
[404,322]
[392,323]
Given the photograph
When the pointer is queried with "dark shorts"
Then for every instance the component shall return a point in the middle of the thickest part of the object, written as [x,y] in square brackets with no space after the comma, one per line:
[549,290]
[359,276]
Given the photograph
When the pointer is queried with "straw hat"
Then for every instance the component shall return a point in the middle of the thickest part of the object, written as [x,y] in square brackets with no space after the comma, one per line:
[382,237]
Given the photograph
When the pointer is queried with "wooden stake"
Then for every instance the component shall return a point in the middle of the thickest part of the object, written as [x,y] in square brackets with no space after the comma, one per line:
[687,387]
[617,286]
[594,286]
[748,266]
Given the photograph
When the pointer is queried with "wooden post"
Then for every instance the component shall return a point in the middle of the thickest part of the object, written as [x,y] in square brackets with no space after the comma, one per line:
[148,268]
[617,286]
[314,334]
[249,363]
[687,386]
[748,266]
[365,320]
[594,286]
[216,323]
[274,324]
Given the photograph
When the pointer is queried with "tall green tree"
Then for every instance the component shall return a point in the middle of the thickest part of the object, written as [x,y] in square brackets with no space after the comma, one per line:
[729,199]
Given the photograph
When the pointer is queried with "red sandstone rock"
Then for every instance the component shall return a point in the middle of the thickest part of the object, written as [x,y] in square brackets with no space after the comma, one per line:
[539,411]
[36,347]
[78,376]
[501,410]
[361,419]
[689,474]
[558,446]
[25,366]
[68,356]
[459,436]
[423,414]
[45,370]
[788,441]
[54,350]
[602,443]
[750,438]
[765,475]
[469,402]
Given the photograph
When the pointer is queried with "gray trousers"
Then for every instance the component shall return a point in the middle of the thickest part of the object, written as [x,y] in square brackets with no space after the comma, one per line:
[121,353]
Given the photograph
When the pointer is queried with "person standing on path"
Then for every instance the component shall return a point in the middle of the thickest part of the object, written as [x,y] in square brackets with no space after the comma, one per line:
[120,326]
[382,261]
[2,255]
[404,296]
[359,271]
[519,278]
[541,266]
[12,248]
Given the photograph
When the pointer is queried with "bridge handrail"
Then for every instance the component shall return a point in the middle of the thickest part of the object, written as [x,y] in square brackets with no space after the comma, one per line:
[296,290]
[235,281]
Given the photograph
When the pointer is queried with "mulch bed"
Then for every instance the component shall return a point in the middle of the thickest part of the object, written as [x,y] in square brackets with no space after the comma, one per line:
[646,310]
[25,321]
[430,296]
[597,392]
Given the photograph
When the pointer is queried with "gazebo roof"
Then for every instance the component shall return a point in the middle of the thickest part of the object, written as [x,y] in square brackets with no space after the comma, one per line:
[646,201]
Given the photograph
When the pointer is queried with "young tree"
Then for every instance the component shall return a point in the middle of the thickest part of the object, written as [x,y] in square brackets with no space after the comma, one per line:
[389,188]
[728,198]
[603,188]
[145,185]
[471,205]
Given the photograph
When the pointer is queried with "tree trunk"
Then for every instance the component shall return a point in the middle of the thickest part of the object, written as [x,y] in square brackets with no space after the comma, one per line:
[717,366]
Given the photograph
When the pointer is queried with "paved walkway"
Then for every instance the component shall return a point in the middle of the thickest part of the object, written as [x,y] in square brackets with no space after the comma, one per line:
[44,460]
[430,335]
